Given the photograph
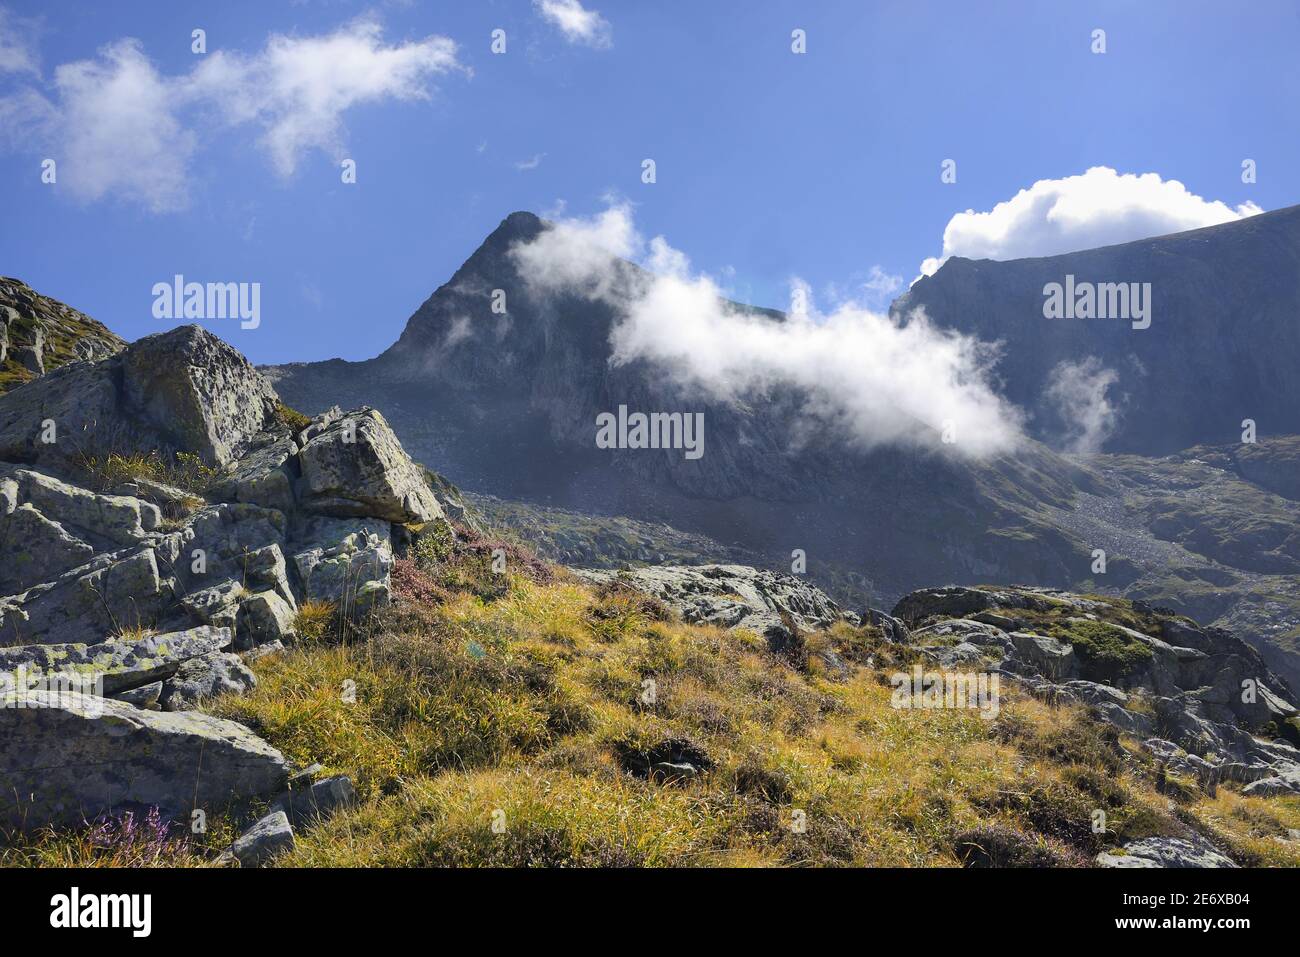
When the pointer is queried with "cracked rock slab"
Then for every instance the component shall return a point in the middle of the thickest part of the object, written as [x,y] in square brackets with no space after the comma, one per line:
[65,759]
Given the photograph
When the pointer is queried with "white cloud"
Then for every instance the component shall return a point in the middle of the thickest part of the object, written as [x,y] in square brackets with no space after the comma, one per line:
[578,24]
[1079,391]
[297,89]
[1098,208]
[120,128]
[880,380]
[17,44]
[528,164]
[116,130]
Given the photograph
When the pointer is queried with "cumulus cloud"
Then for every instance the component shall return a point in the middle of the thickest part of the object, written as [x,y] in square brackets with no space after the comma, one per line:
[578,24]
[1101,207]
[880,380]
[118,127]
[17,44]
[1079,391]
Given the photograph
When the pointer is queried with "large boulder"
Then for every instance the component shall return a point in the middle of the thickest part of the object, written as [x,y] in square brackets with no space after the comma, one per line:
[354,466]
[183,390]
[199,391]
[67,758]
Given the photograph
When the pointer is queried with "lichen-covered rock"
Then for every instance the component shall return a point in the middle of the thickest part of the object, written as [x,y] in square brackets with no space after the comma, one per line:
[263,618]
[1277,785]
[119,665]
[354,466]
[217,604]
[265,476]
[36,550]
[199,391]
[1190,851]
[91,603]
[730,596]
[65,759]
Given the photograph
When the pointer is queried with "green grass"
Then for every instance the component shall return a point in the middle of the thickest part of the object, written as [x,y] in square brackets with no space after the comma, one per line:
[1105,653]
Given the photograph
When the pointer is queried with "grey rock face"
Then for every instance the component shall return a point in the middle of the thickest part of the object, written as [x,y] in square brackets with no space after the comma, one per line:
[270,836]
[355,466]
[1201,285]
[265,476]
[1051,658]
[91,603]
[1277,785]
[964,630]
[72,757]
[348,562]
[198,679]
[320,799]
[199,391]
[183,390]
[264,617]
[1192,851]
[894,628]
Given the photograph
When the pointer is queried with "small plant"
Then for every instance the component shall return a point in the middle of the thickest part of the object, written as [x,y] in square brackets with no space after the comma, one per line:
[314,619]
[291,418]
[132,633]
[184,470]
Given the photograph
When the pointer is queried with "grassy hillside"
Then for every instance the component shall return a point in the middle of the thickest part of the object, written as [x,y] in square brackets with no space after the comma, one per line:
[522,699]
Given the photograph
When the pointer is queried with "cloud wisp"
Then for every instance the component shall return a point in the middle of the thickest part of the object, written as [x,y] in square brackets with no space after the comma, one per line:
[1080,393]
[1100,207]
[878,380]
[577,23]
[119,128]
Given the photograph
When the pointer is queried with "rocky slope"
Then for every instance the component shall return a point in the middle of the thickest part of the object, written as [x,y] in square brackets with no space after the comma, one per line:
[1200,701]
[39,334]
[1221,346]
[140,596]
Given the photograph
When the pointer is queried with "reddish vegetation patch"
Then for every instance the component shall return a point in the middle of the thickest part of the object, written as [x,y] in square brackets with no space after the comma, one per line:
[412,584]
[518,558]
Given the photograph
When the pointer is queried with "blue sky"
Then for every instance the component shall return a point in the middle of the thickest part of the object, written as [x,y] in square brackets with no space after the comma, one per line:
[770,165]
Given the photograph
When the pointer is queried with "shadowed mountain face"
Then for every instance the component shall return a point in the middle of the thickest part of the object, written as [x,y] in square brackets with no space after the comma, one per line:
[1221,347]
[506,404]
